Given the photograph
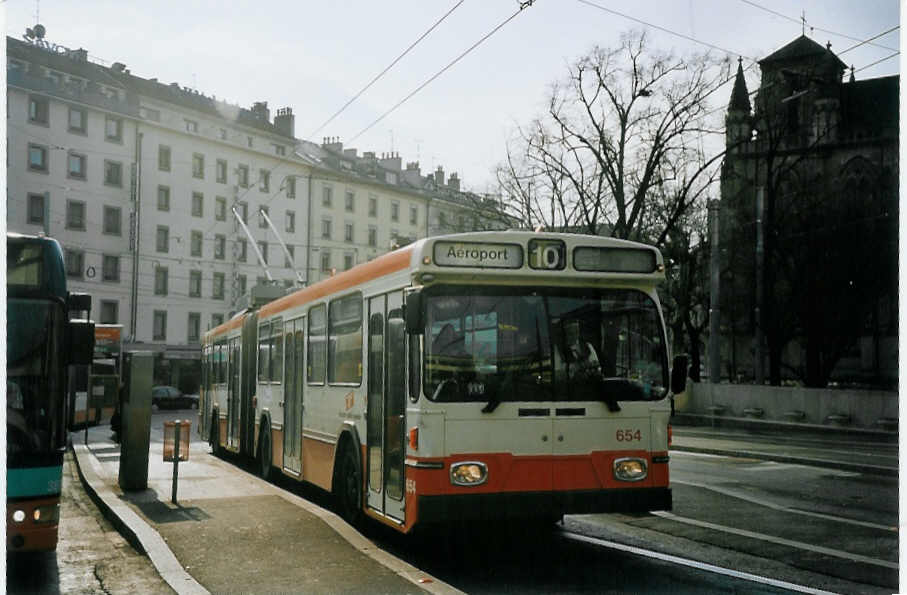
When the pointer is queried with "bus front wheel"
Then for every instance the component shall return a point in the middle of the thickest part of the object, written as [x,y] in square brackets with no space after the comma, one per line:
[348,487]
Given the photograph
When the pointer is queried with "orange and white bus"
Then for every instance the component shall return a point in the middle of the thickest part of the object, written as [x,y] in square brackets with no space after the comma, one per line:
[473,376]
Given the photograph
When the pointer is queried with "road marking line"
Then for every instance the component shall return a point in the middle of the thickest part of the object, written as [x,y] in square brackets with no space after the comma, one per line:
[779,540]
[779,507]
[697,565]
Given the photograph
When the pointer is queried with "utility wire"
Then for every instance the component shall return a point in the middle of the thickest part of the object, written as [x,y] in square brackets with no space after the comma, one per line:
[523,5]
[865,41]
[383,72]
[800,22]
[669,31]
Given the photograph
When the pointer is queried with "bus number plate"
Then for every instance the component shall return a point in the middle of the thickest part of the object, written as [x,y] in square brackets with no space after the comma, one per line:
[629,435]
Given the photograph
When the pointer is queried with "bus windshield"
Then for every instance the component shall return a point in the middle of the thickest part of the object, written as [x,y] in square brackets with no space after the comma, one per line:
[553,344]
[33,405]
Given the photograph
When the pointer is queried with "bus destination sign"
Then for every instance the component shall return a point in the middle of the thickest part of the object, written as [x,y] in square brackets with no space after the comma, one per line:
[479,255]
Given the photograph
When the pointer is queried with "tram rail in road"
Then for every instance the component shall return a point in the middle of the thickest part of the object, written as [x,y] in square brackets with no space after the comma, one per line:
[694,564]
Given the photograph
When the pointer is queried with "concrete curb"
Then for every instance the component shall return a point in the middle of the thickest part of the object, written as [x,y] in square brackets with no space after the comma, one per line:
[764,456]
[693,420]
[132,527]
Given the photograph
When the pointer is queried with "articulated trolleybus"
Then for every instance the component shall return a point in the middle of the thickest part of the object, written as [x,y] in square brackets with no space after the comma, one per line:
[480,376]
[41,342]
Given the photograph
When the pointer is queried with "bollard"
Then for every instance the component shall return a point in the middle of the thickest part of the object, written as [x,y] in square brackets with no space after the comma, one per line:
[176,448]
[176,461]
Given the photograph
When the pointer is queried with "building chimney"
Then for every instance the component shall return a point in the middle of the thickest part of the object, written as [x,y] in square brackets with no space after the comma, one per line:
[439,177]
[261,111]
[391,161]
[285,122]
[118,67]
[368,155]
[454,182]
[412,174]
[79,55]
[350,153]
[332,143]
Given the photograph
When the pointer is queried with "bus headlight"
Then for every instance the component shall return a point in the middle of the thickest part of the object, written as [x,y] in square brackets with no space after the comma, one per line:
[19,516]
[470,473]
[47,514]
[630,469]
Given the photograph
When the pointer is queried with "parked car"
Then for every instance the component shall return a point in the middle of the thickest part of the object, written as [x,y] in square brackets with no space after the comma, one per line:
[168,397]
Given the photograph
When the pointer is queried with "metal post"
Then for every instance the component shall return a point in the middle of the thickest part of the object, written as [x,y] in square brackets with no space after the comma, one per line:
[176,460]
[760,288]
[136,229]
[714,307]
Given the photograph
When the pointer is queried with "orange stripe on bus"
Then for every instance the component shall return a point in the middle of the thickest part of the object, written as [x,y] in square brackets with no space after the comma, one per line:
[383,265]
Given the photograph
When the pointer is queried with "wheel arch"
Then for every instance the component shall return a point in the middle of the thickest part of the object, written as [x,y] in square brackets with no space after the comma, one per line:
[347,437]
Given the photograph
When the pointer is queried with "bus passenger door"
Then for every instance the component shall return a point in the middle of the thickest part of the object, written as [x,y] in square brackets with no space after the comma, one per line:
[233,394]
[292,428]
[386,405]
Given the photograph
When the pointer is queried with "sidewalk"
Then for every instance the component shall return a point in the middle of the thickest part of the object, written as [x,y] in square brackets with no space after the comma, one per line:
[233,532]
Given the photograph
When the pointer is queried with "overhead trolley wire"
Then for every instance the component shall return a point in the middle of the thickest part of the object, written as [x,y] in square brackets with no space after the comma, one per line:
[389,66]
[523,5]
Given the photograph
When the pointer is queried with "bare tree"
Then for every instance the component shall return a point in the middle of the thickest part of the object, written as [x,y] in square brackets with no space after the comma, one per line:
[621,132]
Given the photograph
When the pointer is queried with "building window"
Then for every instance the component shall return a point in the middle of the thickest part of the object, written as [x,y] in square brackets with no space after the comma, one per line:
[38,110]
[75,263]
[75,215]
[160,326]
[113,129]
[36,209]
[195,244]
[109,312]
[413,215]
[327,196]
[262,222]
[195,284]
[372,236]
[249,141]
[326,229]
[113,173]
[221,171]
[263,248]
[349,201]
[219,247]
[290,222]
[220,208]
[110,265]
[395,211]
[291,186]
[244,212]
[113,218]
[286,261]
[198,204]
[198,166]
[162,239]
[194,327]
[280,150]
[347,261]
[37,158]
[217,320]
[217,291]
[348,232]
[163,198]
[241,284]
[442,219]
[223,134]
[242,173]
[325,260]
[163,158]
[191,125]
[75,165]
[372,206]
[161,276]
[77,120]
[264,178]
[242,250]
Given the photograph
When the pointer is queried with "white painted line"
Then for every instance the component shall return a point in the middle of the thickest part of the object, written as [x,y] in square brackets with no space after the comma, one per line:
[773,506]
[697,565]
[780,541]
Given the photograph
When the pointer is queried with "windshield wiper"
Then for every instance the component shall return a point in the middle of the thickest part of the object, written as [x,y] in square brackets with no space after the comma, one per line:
[491,405]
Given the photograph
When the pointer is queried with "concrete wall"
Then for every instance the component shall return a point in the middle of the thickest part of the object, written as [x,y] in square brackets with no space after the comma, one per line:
[853,408]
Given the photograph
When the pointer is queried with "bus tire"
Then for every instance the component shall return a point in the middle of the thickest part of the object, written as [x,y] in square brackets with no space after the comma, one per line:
[348,486]
[264,451]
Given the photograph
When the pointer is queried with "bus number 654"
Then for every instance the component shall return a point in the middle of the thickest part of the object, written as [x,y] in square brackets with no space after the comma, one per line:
[629,435]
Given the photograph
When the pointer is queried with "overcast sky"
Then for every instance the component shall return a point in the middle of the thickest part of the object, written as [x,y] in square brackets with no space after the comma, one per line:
[313,56]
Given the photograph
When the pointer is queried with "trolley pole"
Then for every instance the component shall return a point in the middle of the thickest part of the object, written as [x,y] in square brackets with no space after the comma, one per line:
[714,285]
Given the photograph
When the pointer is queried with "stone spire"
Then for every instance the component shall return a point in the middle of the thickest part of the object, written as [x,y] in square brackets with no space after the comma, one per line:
[740,97]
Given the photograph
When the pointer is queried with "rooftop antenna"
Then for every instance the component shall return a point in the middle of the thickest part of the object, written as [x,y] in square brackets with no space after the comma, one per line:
[803,20]
[37,11]
[392,140]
